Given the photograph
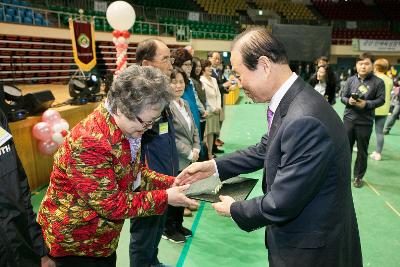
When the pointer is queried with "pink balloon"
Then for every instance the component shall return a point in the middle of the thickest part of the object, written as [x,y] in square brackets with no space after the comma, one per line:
[42,131]
[47,147]
[51,116]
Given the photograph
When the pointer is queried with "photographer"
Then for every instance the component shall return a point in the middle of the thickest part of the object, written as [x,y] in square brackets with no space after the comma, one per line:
[362,94]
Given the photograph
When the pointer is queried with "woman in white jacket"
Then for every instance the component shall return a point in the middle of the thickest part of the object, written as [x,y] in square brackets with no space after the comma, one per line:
[213,97]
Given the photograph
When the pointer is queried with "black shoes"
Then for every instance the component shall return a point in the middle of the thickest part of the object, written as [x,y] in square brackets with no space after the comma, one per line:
[357,183]
[216,150]
[174,236]
[183,230]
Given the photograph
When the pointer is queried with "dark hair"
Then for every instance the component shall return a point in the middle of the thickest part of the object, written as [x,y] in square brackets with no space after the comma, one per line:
[193,75]
[211,53]
[365,55]
[137,88]
[323,58]
[177,71]
[180,55]
[204,64]
[259,42]
[146,50]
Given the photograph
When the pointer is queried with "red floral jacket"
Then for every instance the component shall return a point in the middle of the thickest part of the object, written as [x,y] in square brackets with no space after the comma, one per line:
[90,191]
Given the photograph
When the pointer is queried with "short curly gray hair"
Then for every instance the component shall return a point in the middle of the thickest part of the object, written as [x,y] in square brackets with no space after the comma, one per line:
[138,88]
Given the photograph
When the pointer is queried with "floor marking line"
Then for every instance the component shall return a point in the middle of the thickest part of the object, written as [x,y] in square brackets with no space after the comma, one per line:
[185,249]
[373,188]
[392,208]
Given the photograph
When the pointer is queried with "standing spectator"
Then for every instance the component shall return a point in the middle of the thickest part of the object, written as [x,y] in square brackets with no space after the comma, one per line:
[214,103]
[21,242]
[159,154]
[331,75]
[223,85]
[396,110]
[183,59]
[201,93]
[188,146]
[381,66]
[363,93]
[323,85]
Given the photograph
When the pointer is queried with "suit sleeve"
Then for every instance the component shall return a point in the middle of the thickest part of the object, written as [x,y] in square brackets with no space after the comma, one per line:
[306,149]
[243,161]
[345,95]
[91,172]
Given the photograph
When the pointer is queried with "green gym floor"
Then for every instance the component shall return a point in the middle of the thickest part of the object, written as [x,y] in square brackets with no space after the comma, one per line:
[217,241]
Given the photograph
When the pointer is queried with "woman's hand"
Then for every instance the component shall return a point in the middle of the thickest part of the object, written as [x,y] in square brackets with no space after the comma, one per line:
[177,198]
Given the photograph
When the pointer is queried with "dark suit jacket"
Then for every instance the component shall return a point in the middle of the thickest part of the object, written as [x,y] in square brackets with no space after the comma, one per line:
[307,207]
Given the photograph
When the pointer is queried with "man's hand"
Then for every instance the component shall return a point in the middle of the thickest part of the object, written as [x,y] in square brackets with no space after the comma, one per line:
[361,103]
[223,208]
[196,171]
[177,198]
[47,262]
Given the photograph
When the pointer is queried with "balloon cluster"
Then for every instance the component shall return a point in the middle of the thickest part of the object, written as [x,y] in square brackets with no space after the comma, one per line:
[50,132]
[120,41]
[121,16]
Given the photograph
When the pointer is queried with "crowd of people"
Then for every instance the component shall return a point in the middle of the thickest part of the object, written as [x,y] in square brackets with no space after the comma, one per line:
[158,131]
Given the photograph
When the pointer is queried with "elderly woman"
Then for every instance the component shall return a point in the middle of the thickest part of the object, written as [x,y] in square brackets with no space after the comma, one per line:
[98,180]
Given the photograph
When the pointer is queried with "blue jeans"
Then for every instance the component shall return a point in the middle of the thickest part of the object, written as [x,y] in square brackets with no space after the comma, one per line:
[379,124]
[393,117]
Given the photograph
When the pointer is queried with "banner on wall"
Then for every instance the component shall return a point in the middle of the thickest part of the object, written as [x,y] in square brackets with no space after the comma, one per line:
[83,44]
[379,45]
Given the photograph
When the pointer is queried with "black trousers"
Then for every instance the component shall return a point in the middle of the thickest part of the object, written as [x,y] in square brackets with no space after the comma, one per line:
[361,134]
[145,237]
[174,217]
[83,261]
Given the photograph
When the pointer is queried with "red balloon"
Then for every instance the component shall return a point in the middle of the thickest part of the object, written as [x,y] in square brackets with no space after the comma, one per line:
[126,34]
[116,33]
[51,116]
[47,147]
[42,131]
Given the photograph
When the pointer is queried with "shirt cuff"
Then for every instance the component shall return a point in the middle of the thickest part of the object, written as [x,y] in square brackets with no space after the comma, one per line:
[216,174]
[190,157]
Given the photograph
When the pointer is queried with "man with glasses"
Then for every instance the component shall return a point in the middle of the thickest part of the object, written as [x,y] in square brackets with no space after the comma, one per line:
[159,154]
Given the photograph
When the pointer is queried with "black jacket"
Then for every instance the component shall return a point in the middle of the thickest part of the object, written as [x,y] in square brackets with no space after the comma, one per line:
[21,241]
[307,206]
[375,97]
[330,91]
[159,150]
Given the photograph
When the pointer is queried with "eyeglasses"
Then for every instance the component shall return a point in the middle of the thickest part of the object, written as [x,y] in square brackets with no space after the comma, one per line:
[147,124]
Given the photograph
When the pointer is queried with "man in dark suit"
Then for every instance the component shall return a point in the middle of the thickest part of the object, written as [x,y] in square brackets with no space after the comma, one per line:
[307,206]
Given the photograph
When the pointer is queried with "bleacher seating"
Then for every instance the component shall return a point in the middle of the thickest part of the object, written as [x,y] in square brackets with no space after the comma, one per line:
[21,12]
[344,10]
[389,8]
[344,36]
[289,10]
[222,7]
[175,4]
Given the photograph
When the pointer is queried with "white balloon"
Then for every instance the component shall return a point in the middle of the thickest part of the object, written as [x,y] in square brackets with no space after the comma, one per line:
[115,40]
[120,15]
[58,138]
[121,39]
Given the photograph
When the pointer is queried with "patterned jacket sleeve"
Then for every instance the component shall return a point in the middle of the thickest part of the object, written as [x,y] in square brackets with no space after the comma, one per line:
[154,180]
[90,168]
